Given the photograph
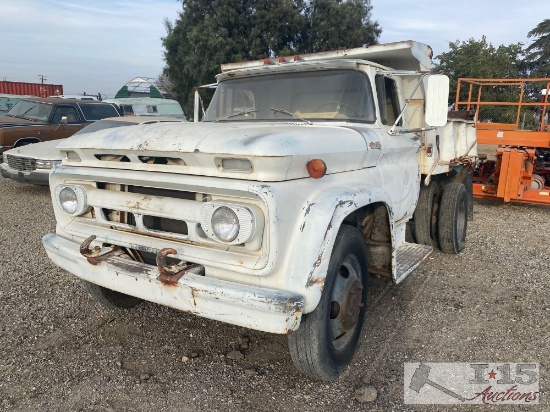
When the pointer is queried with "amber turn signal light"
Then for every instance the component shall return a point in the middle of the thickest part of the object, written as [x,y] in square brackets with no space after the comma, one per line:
[316,168]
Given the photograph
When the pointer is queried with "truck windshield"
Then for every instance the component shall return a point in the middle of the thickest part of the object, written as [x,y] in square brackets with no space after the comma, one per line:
[31,110]
[312,95]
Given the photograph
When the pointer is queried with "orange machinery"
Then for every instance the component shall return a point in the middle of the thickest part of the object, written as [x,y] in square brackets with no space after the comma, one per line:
[511,114]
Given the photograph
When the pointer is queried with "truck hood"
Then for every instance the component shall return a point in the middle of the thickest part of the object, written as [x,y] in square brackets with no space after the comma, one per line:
[276,151]
[42,151]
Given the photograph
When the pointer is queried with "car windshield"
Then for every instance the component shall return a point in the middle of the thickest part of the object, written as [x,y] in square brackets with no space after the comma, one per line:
[97,111]
[313,95]
[31,110]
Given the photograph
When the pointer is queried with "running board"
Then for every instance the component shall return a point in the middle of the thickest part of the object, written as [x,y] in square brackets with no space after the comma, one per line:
[408,257]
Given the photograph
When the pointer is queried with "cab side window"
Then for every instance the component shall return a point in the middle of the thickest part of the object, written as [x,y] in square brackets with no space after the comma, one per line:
[70,112]
[388,100]
[127,109]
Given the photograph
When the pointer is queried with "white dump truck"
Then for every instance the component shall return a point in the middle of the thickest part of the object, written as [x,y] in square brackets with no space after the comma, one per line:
[273,211]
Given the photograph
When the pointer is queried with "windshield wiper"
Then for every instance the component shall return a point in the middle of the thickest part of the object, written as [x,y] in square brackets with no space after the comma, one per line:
[241,113]
[28,110]
[22,117]
[290,114]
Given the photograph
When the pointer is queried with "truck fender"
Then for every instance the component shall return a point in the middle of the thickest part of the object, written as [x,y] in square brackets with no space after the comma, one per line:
[317,230]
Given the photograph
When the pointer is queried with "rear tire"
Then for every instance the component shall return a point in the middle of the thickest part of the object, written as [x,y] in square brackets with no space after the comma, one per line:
[426,215]
[110,298]
[325,342]
[453,218]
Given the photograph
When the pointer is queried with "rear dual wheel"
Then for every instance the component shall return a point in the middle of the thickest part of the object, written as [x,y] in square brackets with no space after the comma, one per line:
[453,218]
[440,219]
[426,215]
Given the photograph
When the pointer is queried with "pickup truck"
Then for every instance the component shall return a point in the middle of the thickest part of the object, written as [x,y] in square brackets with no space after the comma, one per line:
[34,120]
[274,210]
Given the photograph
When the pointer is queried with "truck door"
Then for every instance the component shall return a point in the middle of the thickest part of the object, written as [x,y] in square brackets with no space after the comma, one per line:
[399,160]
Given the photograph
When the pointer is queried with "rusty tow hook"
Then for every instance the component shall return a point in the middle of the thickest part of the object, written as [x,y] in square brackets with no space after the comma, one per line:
[95,256]
[170,274]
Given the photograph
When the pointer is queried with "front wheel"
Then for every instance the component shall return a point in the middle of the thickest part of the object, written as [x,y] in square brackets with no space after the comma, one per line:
[325,342]
[110,298]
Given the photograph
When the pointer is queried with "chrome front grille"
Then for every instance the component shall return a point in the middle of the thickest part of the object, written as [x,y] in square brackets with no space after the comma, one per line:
[21,164]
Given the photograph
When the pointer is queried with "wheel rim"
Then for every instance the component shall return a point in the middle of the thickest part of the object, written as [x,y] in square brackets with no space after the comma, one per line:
[346,303]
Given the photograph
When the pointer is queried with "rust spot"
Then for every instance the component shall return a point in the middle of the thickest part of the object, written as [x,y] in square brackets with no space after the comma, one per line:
[96,256]
[85,246]
[314,281]
[194,297]
[169,274]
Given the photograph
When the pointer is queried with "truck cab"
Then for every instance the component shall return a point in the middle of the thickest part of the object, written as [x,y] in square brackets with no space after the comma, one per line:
[274,210]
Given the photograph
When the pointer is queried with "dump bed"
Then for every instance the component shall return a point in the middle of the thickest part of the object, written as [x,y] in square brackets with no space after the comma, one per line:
[405,55]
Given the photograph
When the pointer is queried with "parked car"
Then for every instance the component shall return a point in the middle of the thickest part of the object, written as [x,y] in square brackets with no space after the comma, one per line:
[33,163]
[7,101]
[77,96]
[147,106]
[33,120]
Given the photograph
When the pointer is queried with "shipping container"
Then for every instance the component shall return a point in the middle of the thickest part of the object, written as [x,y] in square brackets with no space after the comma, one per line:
[33,89]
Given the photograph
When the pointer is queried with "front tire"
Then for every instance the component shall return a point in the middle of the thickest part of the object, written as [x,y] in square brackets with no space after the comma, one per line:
[453,218]
[110,298]
[326,340]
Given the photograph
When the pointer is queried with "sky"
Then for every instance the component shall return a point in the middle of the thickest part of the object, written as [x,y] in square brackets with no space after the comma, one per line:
[98,46]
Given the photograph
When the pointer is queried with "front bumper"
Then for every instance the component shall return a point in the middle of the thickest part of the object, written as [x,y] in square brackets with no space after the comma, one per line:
[36,177]
[257,308]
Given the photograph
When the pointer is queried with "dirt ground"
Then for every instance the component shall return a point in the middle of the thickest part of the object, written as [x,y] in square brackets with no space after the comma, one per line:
[61,351]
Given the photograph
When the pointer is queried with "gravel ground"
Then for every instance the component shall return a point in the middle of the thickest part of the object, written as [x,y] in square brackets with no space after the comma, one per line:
[61,351]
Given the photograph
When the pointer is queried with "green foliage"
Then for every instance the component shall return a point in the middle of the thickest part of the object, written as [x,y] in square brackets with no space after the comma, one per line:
[211,32]
[478,59]
[337,24]
[537,57]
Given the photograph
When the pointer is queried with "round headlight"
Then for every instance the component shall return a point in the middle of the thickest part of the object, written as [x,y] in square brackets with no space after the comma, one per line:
[72,199]
[225,224]
[68,200]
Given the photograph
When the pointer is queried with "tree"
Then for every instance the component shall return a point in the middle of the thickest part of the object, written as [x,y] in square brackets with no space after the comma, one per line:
[211,32]
[337,24]
[478,58]
[537,57]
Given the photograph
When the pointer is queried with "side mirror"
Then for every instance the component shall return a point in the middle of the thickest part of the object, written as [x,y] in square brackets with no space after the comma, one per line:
[437,96]
[63,120]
